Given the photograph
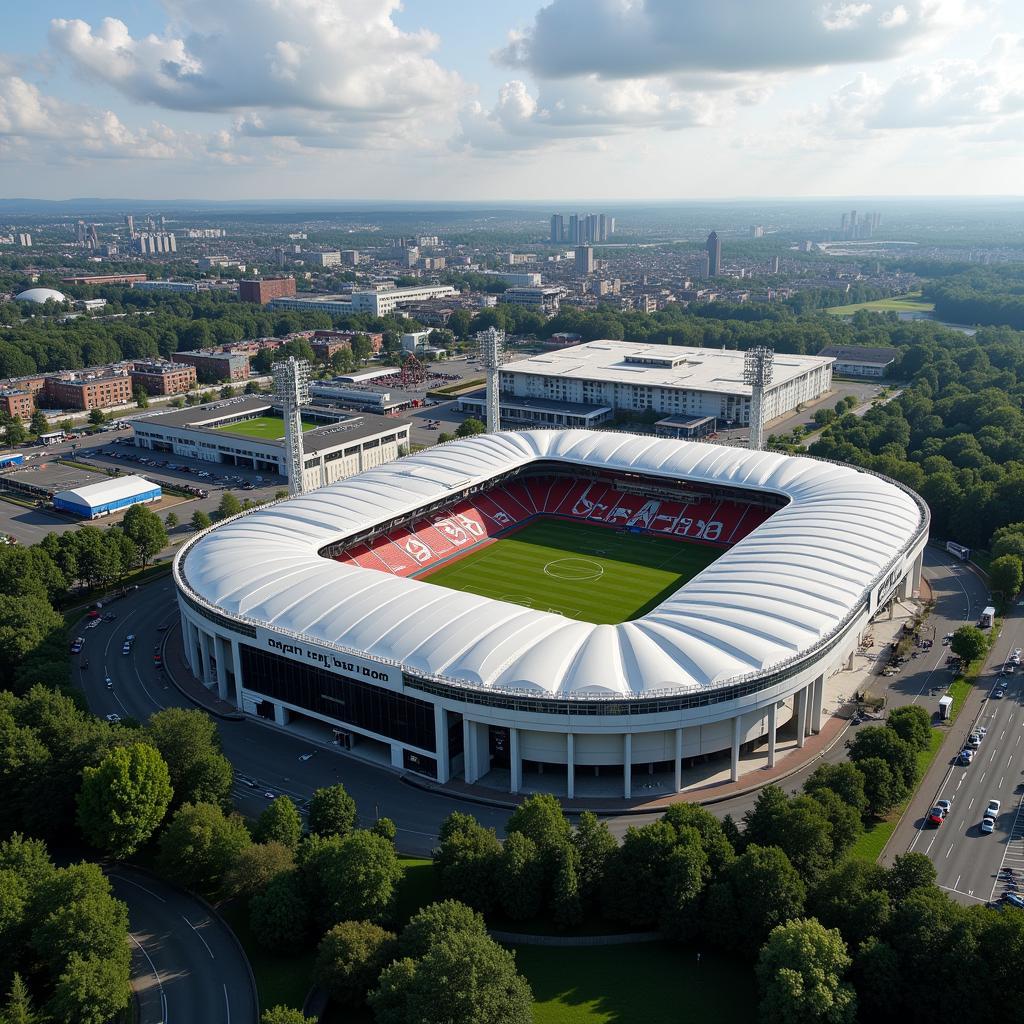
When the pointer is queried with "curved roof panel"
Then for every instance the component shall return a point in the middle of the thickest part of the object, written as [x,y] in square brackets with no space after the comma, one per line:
[778,593]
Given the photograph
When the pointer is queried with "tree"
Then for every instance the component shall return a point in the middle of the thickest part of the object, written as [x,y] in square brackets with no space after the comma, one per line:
[800,970]
[386,829]
[39,424]
[256,866]
[800,826]
[633,887]
[170,521]
[141,397]
[757,891]
[124,799]
[91,990]
[25,623]
[332,812]
[913,724]
[15,432]
[200,520]
[713,840]
[200,846]
[466,861]
[844,779]
[350,958]
[143,527]
[285,1015]
[97,417]
[18,1008]
[279,914]
[190,745]
[520,877]
[281,823]
[853,898]
[1006,576]
[541,819]
[469,979]
[910,872]
[438,922]
[469,427]
[970,643]
[229,506]
[882,789]
[594,844]
[879,741]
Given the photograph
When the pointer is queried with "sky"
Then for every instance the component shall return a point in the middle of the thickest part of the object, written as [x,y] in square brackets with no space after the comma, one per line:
[511,99]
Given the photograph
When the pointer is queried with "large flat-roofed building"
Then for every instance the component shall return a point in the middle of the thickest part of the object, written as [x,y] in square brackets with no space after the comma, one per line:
[265,289]
[544,299]
[670,380]
[159,378]
[860,360]
[104,279]
[93,391]
[242,432]
[171,287]
[514,278]
[101,499]
[378,301]
[213,367]
[537,412]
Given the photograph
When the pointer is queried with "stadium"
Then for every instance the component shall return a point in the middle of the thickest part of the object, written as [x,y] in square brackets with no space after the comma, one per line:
[567,604]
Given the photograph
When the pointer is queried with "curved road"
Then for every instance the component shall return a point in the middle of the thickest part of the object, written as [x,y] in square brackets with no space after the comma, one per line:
[271,757]
[186,964]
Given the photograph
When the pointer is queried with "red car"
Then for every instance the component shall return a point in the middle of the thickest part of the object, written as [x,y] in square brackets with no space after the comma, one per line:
[936,816]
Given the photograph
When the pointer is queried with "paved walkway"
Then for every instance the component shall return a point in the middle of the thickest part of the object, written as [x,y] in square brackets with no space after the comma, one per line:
[179,672]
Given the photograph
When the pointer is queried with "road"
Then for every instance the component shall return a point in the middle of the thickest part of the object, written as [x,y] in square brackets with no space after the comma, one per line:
[967,860]
[271,757]
[186,964]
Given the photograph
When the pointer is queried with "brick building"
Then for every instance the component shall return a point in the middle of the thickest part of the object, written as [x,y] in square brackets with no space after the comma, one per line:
[93,392]
[214,367]
[159,378]
[326,343]
[263,290]
[17,403]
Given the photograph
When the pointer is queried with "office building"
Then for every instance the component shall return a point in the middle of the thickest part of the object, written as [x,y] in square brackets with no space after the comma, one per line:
[156,377]
[215,367]
[634,378]
[323,259]
[350,257]
[714,250]
[88,390]
[543,300]
[773,265]
[263,290]
[757,231]
[524,279]
[379,301]
[129,223]
[584,259]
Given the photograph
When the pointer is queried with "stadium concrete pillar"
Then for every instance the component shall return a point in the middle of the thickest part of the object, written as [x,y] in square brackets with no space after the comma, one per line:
[734,761]
[570,766]
[221,658]
[282,716]
[236,658]
[469,750]
[441,743]
[204,657]
[627,765]
[679,761]
[515,762]
[817,700]
[188,642]
[801,716]
[773,725]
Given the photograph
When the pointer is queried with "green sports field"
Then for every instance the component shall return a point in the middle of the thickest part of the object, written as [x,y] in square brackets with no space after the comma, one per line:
[582,571]
[269,428]
[909,303]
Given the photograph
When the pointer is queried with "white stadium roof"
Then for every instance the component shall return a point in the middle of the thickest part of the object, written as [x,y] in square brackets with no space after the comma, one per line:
[41,295]
[771,598]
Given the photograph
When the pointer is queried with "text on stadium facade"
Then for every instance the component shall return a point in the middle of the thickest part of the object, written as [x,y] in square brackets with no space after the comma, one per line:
[343,664]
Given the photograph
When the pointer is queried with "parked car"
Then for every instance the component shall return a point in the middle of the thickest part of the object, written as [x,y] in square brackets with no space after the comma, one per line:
[1000,693]
[966,756]
[1015,898]
[974,741]
[113,717]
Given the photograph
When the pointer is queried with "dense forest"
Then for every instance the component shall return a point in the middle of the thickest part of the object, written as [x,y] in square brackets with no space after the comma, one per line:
[982,295]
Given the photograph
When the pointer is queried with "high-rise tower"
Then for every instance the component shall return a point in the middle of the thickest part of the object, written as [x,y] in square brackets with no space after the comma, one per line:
[714,248]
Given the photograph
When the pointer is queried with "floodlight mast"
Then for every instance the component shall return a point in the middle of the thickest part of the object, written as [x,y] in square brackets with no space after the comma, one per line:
[492,342]
[291,389]
[758,373]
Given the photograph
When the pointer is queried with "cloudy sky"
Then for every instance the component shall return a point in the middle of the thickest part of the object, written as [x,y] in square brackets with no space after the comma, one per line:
[511,99]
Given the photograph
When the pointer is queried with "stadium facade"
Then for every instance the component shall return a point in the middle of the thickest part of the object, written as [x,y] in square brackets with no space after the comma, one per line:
[311,610]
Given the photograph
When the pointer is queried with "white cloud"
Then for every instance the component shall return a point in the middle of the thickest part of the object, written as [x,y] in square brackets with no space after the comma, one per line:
[949,93]
[347,62]
[640,38]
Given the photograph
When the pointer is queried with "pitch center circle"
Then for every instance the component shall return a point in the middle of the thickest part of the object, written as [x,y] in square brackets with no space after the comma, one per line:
[574,569]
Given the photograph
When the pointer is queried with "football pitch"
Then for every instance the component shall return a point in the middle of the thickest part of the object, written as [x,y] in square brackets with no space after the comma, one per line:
[585,572]
[269,428]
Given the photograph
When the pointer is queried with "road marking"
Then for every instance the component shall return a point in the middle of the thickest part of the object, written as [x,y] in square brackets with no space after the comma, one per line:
[971,804]
[950,850]
[128,881]
[227,1003]
[1001,781]
[970,892]
[956,883]
[201,939]
[156,974]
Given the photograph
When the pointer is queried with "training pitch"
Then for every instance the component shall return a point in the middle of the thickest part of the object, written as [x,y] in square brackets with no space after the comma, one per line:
[270,428]
[585,572]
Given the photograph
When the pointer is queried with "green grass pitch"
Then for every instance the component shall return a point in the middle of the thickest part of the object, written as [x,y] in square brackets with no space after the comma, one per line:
[269,428]
[579,570]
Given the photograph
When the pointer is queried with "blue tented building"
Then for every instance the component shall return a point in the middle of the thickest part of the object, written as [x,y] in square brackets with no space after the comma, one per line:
[107,496]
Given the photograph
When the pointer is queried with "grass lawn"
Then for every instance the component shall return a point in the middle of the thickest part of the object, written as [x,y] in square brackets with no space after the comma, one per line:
[270,428]
[579,570]
[909,303]
[652,982]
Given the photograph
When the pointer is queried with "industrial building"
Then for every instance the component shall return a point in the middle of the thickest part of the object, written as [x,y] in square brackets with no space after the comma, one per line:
[265,289]
[633,378]
[860,360]
[378,301]
[108,496]
[343,445]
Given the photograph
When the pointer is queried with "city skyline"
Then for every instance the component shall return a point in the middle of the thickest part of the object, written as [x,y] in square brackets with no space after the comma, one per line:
[426,100]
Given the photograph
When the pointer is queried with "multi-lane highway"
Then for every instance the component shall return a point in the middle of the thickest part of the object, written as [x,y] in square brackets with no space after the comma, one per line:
[968,859]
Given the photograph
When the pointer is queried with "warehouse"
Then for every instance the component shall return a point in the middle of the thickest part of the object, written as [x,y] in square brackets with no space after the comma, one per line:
[670,380]
[101,499]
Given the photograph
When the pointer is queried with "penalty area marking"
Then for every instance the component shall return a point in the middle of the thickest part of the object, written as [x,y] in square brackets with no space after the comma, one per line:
[574,569]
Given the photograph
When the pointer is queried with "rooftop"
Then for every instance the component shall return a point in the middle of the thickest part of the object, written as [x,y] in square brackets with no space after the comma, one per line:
[113,489]
[673,366]
[860,354]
